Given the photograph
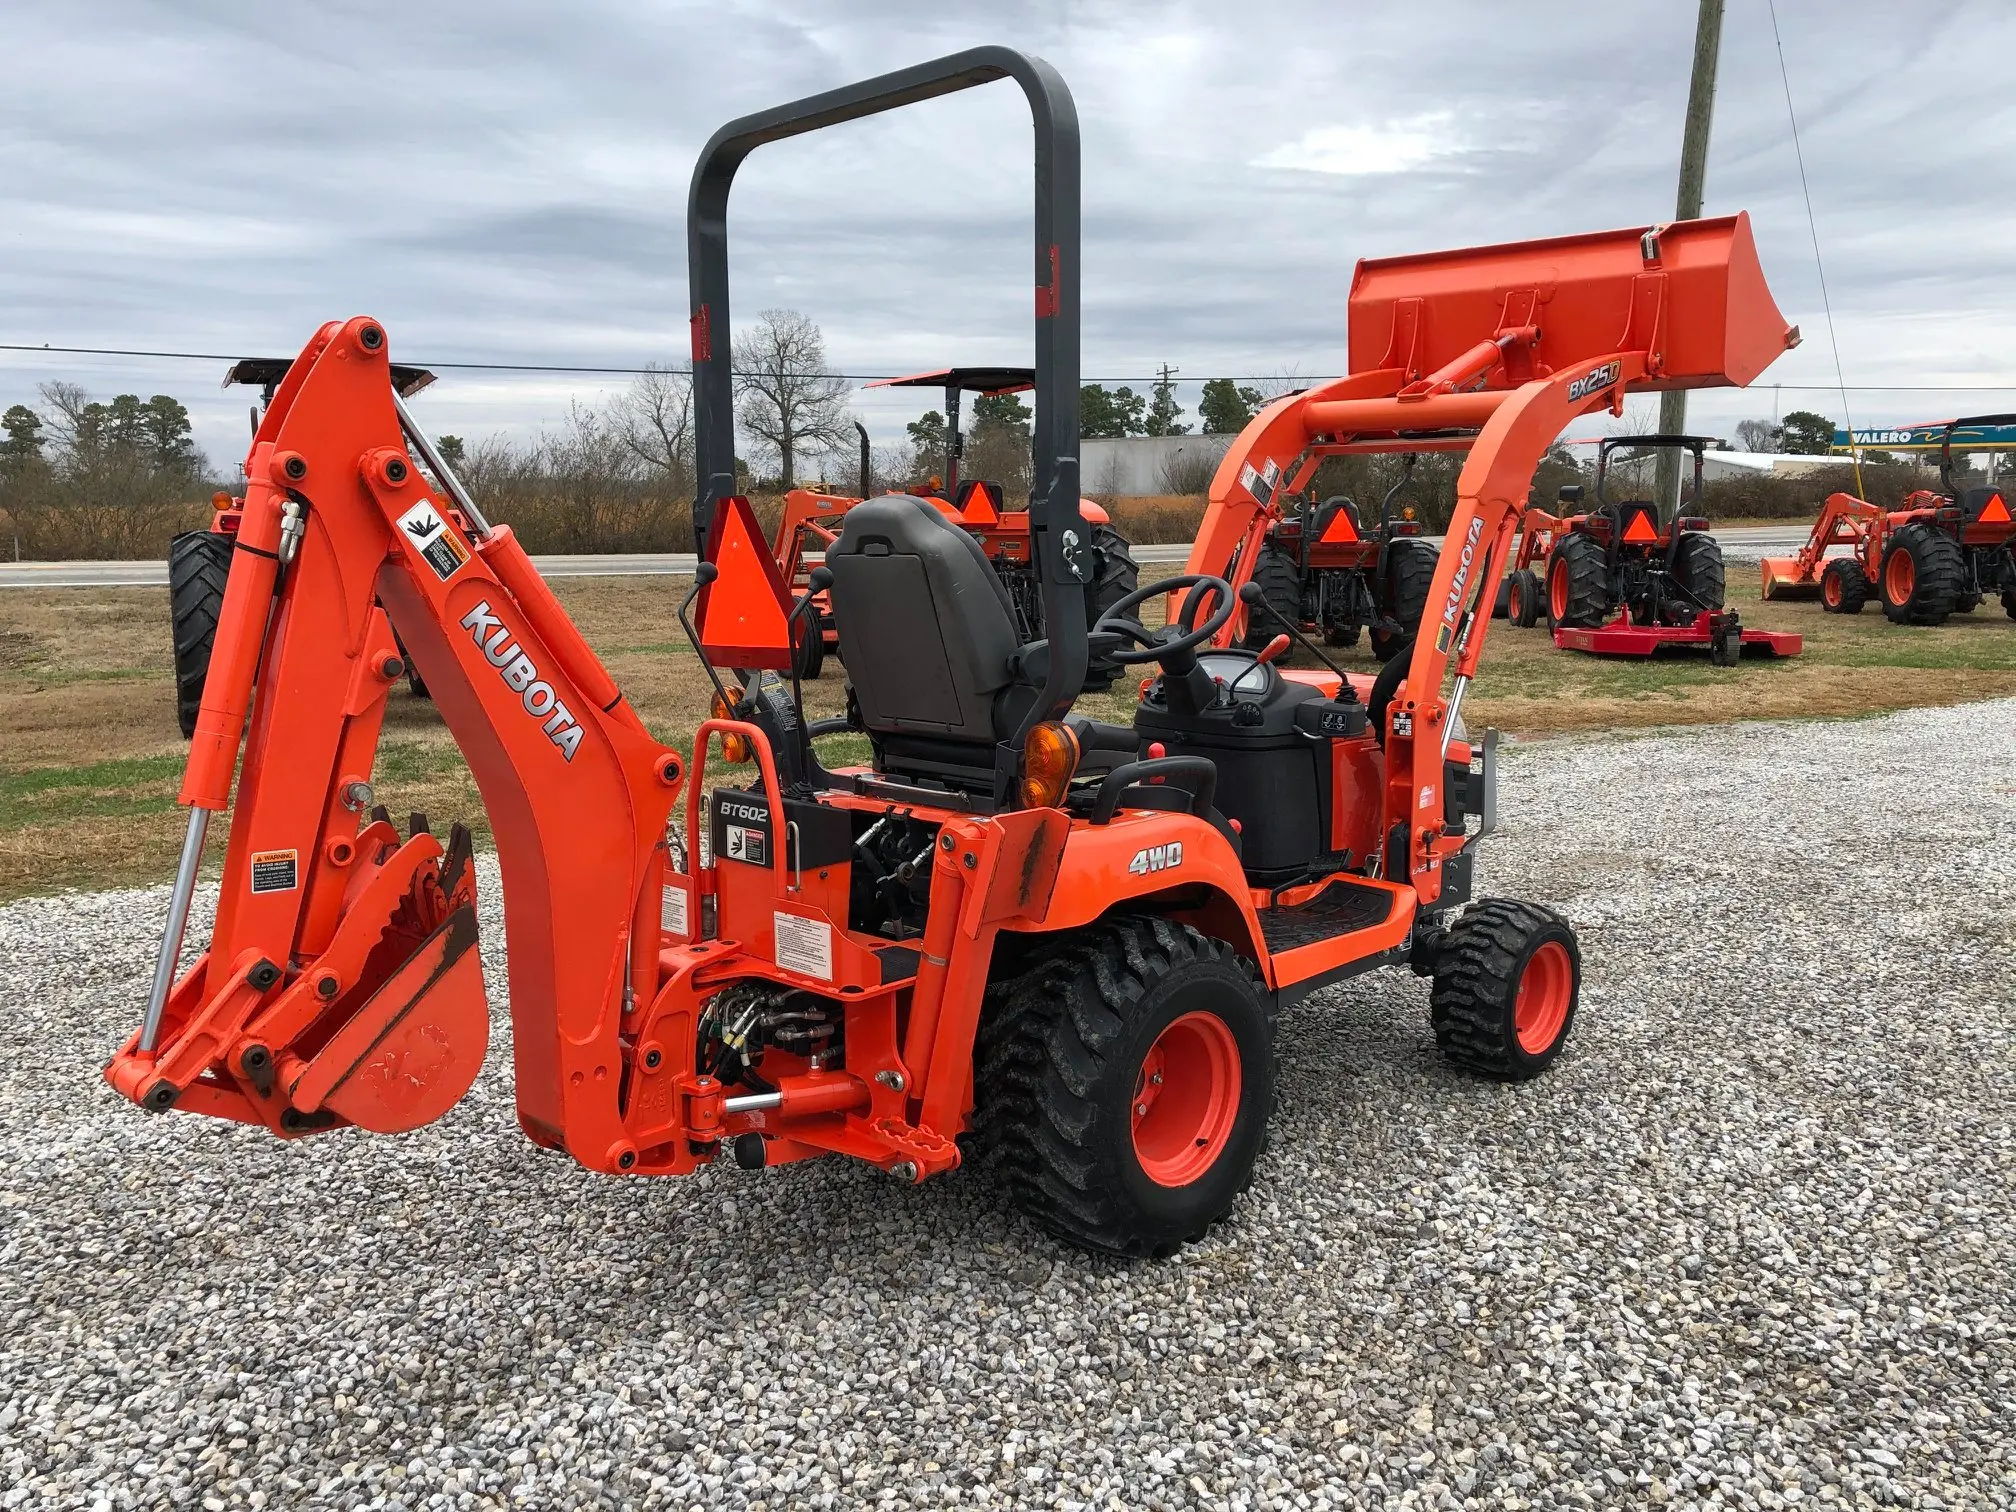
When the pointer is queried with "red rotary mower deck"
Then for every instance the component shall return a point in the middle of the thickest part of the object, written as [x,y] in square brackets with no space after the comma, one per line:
[1721,635]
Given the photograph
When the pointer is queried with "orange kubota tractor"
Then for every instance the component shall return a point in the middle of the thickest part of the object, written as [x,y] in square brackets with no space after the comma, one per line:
[811,522]
[1329,569]
[1070,940]
[1940,554]
[1615,306]
[1617,580]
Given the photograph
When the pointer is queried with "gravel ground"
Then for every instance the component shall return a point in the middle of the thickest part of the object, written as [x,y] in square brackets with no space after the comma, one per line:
[1751,1244]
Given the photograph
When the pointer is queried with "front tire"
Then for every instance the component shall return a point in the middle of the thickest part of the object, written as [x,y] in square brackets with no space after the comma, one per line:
[1524,602]
[1125,1083]
[1508,980]
[1843,589]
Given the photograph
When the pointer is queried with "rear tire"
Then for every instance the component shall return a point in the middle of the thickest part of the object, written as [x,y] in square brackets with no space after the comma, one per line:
[1410,570]
[1342,636]
[810,653]
[1697,567]
[199,561]
[1525,598]
[1578,584]
[1064,1066]
[1843,588]
[1924,576]
[1508,979]
[2009,602]
[1114,576]
[1280,589]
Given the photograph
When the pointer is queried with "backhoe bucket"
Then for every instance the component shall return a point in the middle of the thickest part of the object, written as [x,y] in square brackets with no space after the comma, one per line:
[1691,295]
[1782,580]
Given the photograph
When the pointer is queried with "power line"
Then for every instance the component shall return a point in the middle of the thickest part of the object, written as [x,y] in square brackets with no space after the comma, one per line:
[1300,379]
[1813,229]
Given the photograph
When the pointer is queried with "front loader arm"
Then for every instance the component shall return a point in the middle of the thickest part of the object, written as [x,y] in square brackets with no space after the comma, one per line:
[341,983]
[1491,494]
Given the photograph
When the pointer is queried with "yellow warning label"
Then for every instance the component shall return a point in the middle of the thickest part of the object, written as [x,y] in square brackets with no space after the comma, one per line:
[276,871]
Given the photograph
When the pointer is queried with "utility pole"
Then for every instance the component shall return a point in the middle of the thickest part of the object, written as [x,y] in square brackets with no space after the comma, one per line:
[1693,174]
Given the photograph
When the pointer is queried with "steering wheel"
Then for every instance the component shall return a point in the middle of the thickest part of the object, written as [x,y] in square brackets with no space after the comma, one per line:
[1185,635]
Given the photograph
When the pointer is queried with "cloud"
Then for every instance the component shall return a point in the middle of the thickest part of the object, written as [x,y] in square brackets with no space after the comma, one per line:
[504,181]
[1392,147]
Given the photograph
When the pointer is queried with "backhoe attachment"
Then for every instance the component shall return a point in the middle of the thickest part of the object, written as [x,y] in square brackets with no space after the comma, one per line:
[343,982]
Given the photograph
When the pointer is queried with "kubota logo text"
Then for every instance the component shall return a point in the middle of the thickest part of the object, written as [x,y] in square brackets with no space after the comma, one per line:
[522,678]
[1464,563]
[1591,381]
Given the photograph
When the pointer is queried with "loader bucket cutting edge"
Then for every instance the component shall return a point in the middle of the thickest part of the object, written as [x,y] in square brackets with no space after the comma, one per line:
[1783,582]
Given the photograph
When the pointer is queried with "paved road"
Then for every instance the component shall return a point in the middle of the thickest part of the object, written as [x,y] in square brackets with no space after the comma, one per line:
[1747,544]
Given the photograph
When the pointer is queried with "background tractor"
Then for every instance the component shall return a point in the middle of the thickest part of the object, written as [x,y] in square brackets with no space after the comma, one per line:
[1619,580]
[1937,555]
[813,518]
[1323,570]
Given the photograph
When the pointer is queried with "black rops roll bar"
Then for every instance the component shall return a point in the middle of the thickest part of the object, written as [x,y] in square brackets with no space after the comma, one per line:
[1946,446]
[1058,544]
[1698,445]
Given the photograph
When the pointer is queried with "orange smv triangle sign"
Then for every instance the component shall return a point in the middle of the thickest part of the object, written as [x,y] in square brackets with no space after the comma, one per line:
[1339,532]
[980,508]
[745,612]
[1640,531]
[1996,511]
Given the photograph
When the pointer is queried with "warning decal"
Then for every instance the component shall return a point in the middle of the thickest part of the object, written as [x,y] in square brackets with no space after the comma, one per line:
[804,945]
[276,871]
[1995,511]
[427,528]
[1261,481]
[672,911]
[1641,529]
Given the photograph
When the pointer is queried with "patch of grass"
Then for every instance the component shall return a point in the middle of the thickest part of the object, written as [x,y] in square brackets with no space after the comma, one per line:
[89,775]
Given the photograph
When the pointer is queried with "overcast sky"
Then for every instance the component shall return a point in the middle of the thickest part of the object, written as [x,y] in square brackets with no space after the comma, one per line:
[506,181]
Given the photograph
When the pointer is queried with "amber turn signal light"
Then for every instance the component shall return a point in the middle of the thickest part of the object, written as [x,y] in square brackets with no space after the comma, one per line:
[1049,757]
[734,748]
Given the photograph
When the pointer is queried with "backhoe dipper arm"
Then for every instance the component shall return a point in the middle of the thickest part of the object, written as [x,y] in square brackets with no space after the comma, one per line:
[342,983]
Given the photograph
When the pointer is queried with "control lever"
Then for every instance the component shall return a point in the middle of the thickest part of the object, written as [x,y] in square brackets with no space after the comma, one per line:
[1254,599]
[1273,650]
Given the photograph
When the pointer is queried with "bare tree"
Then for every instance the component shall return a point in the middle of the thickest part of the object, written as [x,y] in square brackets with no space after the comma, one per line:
[1756,435]
[67,403]
[790,403]
[655,421]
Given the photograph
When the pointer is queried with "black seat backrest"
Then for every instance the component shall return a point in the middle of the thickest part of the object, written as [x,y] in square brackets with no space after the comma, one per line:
[926,629]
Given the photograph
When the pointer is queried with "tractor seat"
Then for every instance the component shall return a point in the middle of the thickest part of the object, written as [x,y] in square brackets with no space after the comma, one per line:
[927,633]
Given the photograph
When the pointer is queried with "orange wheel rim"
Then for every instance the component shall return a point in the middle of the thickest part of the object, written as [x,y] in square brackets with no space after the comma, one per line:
[1830,588]
[1557,593]
[1545,989]
[1900,577]
[1186,1099]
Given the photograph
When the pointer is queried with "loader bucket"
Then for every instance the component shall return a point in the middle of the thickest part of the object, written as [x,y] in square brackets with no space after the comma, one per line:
[1782,580]
[1690,294]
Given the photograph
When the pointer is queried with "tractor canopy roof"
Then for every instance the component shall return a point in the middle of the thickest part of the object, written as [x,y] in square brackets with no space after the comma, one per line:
[969,380]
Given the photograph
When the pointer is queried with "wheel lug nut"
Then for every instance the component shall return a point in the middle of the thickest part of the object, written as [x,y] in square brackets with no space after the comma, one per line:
[1142,1109]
